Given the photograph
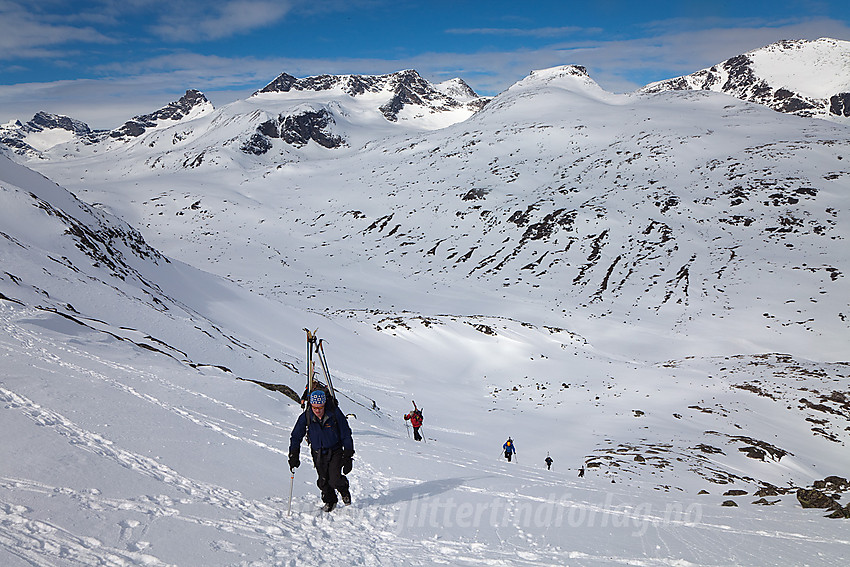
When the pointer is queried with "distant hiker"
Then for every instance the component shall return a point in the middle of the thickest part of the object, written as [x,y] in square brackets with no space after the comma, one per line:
[509,449]
[331,444]
[548,462]
[415,418]
[581,472]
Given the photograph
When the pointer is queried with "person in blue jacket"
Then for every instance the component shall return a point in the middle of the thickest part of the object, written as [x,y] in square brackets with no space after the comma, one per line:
[331,444]
[509,449]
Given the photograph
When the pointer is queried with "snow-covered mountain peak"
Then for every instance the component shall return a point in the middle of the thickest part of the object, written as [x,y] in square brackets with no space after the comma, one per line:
[191,105]
[802,77]
[563,74]
[457,89]
[353,85]
[42,132]
[46,121]
[403,95]
[546,94]
[572,78]
[816,69]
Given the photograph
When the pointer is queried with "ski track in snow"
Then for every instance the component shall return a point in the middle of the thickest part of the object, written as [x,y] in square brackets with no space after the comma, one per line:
[251,519]
[365,533]
[308,535]
[42,543]
[217,425]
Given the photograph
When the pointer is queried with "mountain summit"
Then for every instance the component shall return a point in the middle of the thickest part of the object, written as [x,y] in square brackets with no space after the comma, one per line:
[192,104]
[400,90]
[43,131]
[806,78]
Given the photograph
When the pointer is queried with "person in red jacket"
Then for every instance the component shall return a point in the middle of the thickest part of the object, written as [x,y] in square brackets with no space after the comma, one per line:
[415,418]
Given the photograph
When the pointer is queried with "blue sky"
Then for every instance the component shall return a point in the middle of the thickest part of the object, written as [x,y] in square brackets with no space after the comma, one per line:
[104,61]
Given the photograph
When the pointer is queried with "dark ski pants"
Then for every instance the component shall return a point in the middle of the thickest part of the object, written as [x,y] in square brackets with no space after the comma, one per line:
[416,434]
[508,456]
[328,465]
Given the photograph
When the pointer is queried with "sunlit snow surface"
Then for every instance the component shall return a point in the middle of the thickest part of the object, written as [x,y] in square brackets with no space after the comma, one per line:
[633,318]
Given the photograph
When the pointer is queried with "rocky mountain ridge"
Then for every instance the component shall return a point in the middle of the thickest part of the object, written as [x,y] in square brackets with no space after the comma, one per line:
[772,76]
[190,105]
[403,96]
[405,87]
[306,113]
[41,132]
[782,76]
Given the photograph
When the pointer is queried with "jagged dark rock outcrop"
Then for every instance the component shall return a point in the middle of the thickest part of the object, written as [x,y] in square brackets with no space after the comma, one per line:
[103,241]
[172,111]
[257,144]
[17,145]
[296,130]
[813,498]
[839,104]
[817,497]
[46,121]
[833,484]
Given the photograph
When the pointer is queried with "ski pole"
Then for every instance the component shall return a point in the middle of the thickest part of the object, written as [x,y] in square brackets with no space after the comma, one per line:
[291,483]
[408,429]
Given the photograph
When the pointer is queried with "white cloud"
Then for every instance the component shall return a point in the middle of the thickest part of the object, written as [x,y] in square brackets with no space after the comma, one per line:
[25,34]
[219,20]
[524,32]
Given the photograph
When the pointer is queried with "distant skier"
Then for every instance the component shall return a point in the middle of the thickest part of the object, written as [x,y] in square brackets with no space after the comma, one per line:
[415,418]
[509,449]
[581,472]
[331,445]
[548,462]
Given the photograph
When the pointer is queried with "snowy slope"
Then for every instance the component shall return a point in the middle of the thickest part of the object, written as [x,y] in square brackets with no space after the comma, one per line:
[649,286]
[122,455]
[556,216]
[175,467]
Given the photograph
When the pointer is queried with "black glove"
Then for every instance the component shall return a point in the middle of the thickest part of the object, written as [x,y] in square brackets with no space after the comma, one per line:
[347,461]
[294,462]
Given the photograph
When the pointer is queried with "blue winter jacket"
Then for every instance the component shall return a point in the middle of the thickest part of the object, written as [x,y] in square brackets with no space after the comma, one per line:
[331,432]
